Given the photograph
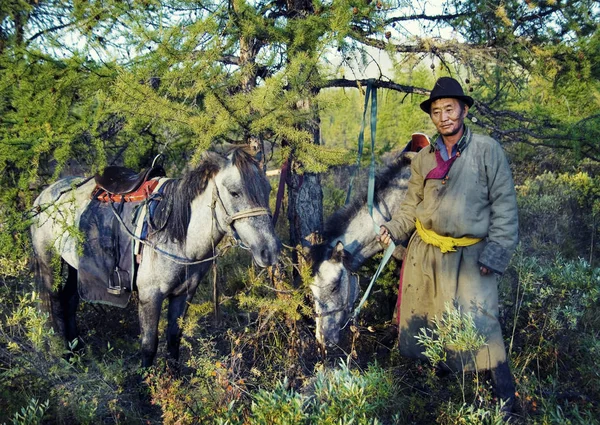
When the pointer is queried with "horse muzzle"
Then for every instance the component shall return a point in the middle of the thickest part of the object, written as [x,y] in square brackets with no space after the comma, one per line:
[266,254]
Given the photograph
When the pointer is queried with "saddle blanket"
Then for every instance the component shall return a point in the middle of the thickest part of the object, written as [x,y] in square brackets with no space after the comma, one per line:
[107,259]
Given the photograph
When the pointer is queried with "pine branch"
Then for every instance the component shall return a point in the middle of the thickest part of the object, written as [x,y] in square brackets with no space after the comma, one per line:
[422,46]
[424,17]
[506,126]
[49,30]
[343,82]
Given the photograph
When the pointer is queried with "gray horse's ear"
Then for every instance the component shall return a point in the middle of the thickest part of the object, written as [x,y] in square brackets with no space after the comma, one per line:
[222,148]
[338,252]
[214,157]
[315,238]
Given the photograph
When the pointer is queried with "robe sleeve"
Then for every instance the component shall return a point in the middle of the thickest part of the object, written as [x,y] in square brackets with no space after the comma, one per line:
[504,225]
[402,224]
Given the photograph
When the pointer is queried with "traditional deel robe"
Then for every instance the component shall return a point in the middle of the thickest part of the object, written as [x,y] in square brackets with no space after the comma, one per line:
[475,199]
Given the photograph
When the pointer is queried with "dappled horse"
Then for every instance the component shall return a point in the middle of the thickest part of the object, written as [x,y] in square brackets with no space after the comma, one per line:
[350,239]
[222,195]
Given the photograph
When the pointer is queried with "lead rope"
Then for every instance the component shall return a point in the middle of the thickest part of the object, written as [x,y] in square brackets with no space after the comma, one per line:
[370,196]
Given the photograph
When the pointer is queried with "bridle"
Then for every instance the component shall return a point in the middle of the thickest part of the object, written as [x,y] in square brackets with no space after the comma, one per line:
[231,218]
[347,308]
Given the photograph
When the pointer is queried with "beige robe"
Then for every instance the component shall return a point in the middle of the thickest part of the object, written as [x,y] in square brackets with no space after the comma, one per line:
[477,200]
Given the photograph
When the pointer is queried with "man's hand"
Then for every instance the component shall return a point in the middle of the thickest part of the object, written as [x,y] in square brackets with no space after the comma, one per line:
[484,271]
[384,236]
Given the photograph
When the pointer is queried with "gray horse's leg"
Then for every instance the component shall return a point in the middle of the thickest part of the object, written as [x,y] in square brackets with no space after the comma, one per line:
[51,296]
[149,312]
[59,301]
[70,302]
[178,305]
[177,308]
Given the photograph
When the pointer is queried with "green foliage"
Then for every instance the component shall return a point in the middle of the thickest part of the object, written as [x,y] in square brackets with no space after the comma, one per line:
[351,397]
[32,414]
[279,406]
[561,213]
[455,331]
[557,297]
[468,414]
[178,75]
[338,396]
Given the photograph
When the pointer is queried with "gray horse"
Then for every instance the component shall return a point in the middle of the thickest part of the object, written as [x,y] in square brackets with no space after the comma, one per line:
[224,194]
[350,238]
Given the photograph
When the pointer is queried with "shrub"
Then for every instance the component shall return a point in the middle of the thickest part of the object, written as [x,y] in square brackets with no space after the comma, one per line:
[32,414]
[338,396]
[560,213]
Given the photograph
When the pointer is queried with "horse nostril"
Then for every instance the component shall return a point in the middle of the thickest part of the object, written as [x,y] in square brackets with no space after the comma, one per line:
[267,257]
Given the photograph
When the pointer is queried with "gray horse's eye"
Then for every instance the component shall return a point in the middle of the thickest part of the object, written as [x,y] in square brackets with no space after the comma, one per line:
[234,194]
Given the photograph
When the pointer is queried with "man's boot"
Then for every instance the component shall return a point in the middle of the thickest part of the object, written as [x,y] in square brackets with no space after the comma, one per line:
[504,387]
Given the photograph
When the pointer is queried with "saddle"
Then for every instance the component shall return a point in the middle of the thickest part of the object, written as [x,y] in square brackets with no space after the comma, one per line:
[120,183]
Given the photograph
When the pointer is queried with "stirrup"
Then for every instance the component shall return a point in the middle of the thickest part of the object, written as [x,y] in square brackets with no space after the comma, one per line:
[117,289]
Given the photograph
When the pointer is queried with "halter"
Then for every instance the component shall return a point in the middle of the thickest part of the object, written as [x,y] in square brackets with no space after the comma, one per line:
[230,218]
[348,307]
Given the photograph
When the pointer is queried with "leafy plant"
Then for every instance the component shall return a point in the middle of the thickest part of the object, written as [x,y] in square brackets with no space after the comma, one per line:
[32,414]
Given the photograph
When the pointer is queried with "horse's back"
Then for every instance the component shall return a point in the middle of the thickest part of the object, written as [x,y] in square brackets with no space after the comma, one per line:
[58,210]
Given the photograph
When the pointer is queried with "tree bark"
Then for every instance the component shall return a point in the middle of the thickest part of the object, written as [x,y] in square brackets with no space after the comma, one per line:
[305,194]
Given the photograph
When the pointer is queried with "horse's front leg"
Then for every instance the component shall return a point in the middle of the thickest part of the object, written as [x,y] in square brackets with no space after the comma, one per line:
[177,308]
[149,313]
[178,305]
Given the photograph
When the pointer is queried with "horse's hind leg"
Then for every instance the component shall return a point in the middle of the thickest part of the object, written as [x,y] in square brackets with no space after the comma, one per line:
[70,301]
[60,302]
[49,293]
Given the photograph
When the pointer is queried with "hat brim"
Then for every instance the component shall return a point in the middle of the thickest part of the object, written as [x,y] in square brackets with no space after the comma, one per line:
[426,105]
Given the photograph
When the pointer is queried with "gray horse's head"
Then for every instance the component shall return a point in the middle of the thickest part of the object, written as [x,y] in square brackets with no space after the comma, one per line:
[237,190]
[243,191]
[334,290]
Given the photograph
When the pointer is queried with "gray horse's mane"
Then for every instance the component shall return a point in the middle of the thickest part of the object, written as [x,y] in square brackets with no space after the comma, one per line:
[337,224]
[172,215]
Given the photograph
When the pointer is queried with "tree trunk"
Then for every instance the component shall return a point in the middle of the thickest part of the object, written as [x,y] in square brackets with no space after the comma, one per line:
[305,195]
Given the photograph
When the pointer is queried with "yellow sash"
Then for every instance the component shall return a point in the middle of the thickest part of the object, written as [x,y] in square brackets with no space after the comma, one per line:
[444,243]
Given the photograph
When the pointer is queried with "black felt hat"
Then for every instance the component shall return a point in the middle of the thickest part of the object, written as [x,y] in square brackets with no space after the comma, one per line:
[446,87]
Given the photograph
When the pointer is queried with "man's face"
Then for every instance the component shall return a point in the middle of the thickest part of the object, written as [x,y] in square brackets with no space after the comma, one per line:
[447,116]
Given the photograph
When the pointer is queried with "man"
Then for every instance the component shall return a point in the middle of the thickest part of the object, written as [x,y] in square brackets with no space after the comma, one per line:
[461,200]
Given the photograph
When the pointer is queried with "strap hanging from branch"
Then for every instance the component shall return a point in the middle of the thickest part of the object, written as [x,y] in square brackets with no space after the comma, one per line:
[371,189]
[370,93]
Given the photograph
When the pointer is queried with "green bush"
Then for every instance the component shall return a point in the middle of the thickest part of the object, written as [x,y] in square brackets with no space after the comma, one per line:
[560,213]
[32,414]
[337,396]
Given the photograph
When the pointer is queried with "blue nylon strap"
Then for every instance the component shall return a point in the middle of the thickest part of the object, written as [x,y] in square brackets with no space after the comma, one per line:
[386,257]
[372,93]
[361,142]
[370,201]
[371,187]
